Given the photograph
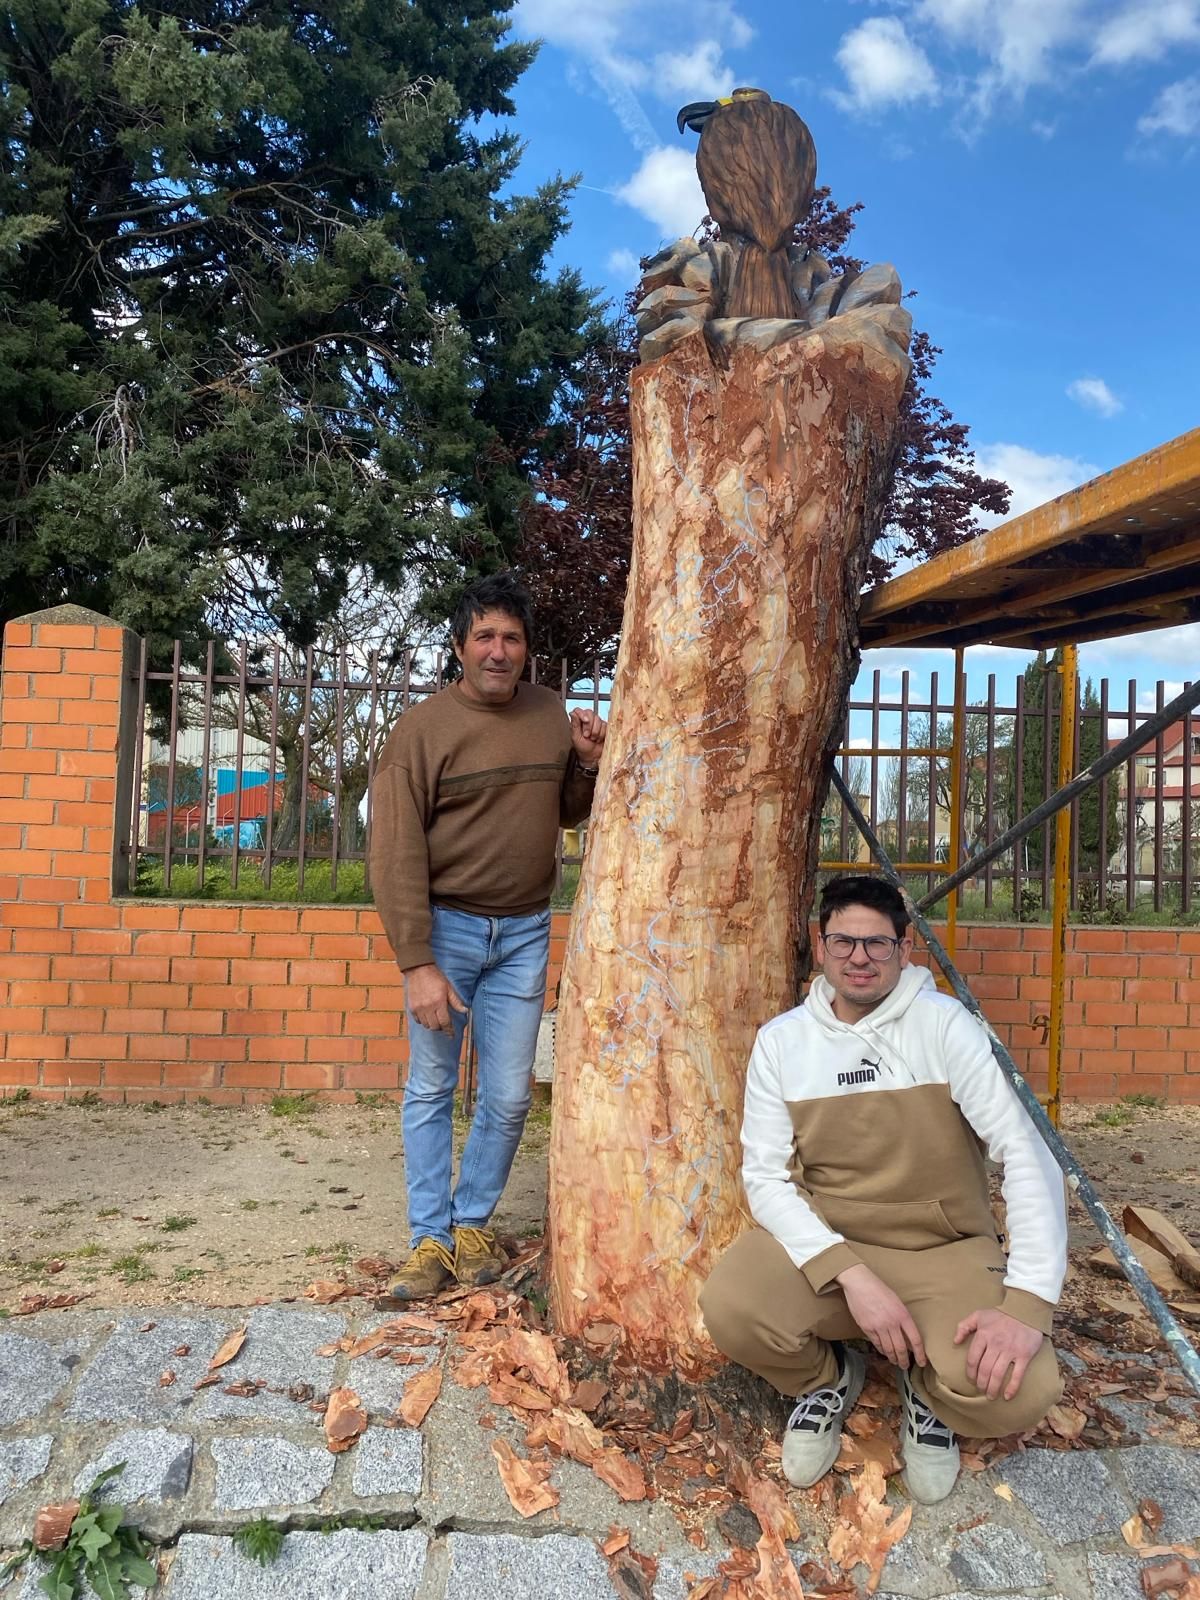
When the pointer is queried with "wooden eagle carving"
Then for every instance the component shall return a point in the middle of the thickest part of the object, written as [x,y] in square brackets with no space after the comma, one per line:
[758,166]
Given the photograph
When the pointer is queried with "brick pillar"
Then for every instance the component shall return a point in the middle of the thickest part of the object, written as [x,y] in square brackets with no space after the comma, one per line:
[67,744]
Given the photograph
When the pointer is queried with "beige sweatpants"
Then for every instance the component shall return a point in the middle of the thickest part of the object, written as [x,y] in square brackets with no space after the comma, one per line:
[761,1312]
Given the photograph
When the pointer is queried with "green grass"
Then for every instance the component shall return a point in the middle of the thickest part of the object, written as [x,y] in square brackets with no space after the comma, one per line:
[259,1541]
[292,1105]
[1113,1117]
[133,1268]
[1144,1102]
[186,1274]
[285,888]
[177,1224]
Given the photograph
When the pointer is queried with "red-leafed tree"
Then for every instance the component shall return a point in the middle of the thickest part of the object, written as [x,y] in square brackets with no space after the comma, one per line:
[576,528]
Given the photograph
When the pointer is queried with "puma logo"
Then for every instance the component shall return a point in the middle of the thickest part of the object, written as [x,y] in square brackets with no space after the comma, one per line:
[863,1075]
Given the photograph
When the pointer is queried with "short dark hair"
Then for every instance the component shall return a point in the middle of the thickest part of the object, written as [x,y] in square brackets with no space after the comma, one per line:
[500,591]
[861,890]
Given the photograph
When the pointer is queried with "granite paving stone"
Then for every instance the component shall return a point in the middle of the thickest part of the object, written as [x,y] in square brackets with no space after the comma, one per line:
[281,1348]
[346,1565]
[991,1557]
[32,1373]
[268,1472]
[29,1581]
[121,1384]
[1072,1494]
[380,1384]
[554,1567]
[21,1462]
[158,1467]
[966,1594]
[388,1461]
[1115,1577]
[1170,1477]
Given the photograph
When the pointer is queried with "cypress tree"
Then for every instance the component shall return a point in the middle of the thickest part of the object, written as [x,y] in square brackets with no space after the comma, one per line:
[270,310]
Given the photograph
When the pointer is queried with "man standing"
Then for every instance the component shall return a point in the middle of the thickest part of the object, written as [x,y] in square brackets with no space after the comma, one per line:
[865,1111]
[472,787]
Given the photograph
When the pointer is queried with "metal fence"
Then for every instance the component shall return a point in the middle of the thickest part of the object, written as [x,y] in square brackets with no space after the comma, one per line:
[256,773]
[1135,838]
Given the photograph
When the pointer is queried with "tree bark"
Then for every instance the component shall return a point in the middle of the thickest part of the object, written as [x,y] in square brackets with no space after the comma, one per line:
[758,487]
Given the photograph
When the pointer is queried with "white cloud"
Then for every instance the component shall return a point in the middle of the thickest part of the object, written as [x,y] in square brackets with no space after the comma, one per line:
[1146,30]
[1093,394]
[695,74]
[1033,477]
[606,42]
[1176,110]
[623,265]
[1168,646]
[883,67]
[666,190]
[1016,37]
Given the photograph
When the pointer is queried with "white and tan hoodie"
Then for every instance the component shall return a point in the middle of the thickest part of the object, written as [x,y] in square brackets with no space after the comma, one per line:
[870,1132]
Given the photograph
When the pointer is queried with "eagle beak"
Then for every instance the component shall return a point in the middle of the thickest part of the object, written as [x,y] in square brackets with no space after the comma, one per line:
[694,116]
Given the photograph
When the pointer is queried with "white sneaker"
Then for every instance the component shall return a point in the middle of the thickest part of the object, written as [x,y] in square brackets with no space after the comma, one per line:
[927,1446]
[813,1435]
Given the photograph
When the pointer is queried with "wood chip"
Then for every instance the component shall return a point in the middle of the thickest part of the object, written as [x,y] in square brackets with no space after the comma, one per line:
[1172,1575]
[586,1396]
[419,1394]
[345,1420]
[1066,1421]
[524,1481]
[615,1469]
[53,1523]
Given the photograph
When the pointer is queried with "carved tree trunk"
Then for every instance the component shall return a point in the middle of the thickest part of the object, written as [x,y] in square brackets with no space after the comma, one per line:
[757,495]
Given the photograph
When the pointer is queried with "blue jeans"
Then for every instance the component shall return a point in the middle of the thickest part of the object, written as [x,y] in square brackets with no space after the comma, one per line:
[498,965]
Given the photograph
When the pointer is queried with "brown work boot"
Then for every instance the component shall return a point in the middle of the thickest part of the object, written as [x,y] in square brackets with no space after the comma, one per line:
[424,1273]
[478,1258]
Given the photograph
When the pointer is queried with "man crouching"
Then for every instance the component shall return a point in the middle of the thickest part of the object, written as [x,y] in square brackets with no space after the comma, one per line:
[865,1111]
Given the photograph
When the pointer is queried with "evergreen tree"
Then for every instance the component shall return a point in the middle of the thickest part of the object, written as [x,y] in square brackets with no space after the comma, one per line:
[269,310]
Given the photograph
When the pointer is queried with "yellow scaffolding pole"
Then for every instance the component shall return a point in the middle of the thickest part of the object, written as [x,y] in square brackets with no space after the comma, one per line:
[1060,902]
[957,776]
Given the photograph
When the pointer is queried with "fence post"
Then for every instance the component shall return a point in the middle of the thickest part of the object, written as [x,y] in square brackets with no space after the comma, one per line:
[68,699]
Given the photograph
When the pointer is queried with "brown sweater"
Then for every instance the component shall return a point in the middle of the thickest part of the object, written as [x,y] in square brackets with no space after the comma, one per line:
[465,811]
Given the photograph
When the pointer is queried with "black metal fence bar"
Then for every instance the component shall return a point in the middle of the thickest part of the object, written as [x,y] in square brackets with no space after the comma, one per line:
[1150,731]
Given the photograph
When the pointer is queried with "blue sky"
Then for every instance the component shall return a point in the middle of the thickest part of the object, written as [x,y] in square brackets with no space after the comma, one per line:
[1032,167]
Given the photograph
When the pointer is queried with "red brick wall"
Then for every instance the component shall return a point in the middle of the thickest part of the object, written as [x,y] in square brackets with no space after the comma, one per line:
[139,999]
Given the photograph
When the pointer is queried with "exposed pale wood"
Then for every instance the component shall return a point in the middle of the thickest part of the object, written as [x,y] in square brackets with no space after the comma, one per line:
[1144,1222]
[757,494]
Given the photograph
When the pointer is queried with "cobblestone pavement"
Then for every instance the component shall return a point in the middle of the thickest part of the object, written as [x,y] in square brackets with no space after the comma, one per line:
[421,1515]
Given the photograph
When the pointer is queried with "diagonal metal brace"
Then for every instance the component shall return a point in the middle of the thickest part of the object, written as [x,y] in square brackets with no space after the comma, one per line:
[1078,1182]
[1130,745]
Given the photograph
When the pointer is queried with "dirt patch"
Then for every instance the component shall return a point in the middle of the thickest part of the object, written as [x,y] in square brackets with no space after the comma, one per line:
[224,1206]
[214,1206]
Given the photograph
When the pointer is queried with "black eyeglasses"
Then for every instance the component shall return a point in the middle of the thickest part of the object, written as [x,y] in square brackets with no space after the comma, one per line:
[878,946]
